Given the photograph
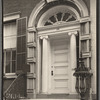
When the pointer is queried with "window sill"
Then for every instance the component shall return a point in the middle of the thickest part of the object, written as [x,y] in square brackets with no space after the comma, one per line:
[10,75]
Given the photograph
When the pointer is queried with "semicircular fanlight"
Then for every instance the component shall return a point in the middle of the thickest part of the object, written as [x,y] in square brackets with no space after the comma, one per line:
[59,18]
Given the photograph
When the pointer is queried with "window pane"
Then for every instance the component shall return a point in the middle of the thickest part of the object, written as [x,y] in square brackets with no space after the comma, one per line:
[10,28]
[13,66]
[13,42]
[10,42]
[8,55]
[14,55]
[8,67]
[6,43]
[10,33]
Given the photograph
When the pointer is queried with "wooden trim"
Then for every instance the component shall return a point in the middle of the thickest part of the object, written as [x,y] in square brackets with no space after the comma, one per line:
[29,91]
[10,75]
[85,19]
[31,44]
[31,60]
[56,30]
[31,75]
[86,54]
[49,27]
[18,12]
[31,29]
[11,16]
[85,37]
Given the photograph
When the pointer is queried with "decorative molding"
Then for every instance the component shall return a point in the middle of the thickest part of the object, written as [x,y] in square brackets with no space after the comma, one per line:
[85,19]
[10,75]
[86,54]
[49,0]
[31,29]
[31,60]
[44,37]
[72,33]
[35,12]
[11,16]
[54,11]
[29,91]
[31,75]
[31,44]
[79,3]
[67,27]
[14,13]
[85,37]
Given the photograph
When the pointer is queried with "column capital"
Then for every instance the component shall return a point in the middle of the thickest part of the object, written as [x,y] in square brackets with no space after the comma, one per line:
[44,37]
[72,33]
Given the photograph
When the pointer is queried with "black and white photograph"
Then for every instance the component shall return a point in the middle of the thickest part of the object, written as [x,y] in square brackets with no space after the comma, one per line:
[49,49]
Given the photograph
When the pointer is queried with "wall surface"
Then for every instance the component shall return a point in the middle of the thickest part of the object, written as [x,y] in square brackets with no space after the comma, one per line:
[24,6]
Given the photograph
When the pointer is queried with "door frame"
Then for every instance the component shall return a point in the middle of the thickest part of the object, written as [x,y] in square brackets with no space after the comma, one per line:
[44,31]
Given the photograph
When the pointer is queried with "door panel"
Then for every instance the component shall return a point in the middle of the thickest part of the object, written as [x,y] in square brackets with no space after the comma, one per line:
[60,64]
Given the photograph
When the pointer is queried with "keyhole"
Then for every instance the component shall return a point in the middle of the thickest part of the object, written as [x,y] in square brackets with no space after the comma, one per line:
[52,73]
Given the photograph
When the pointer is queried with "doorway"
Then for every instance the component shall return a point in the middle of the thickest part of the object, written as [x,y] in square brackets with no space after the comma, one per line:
[59,58]
[60,64]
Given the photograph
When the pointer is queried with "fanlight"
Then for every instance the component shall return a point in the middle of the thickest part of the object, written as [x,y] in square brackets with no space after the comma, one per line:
[60,18]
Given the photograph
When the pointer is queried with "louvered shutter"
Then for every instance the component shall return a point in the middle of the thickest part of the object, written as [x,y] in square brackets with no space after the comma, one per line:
[21,46]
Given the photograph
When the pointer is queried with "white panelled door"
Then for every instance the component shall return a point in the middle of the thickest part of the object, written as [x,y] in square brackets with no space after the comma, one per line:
[60,65]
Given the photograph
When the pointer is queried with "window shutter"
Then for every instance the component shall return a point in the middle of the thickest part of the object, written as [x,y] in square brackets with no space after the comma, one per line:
[21,46]
[85,41]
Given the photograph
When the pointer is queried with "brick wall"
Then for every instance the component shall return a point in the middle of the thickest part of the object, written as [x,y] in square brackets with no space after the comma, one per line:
[6,83]
[24,6]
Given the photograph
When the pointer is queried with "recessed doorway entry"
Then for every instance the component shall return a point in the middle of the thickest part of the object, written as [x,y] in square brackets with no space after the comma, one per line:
[60,64]
[58,61]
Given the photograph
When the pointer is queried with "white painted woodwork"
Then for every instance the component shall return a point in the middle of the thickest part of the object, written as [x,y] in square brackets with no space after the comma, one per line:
[11,16]
[9,35]
[45,64]
[60,36]
[60,65]
[39,77]
[73,59]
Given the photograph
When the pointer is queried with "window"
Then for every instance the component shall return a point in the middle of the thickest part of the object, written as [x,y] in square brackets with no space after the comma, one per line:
[10,35]
[60,18]
[10,61]
[10,38]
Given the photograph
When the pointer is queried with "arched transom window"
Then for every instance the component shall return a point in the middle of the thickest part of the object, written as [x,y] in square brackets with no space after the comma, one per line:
[58,15]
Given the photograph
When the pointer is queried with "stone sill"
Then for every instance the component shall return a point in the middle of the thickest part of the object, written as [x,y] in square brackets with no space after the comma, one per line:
[9,75]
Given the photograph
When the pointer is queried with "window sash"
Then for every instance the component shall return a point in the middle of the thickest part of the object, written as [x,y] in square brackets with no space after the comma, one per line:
[9,68]
[10,34]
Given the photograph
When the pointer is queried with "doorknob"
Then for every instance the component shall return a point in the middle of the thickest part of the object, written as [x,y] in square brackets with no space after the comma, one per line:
[52,73]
